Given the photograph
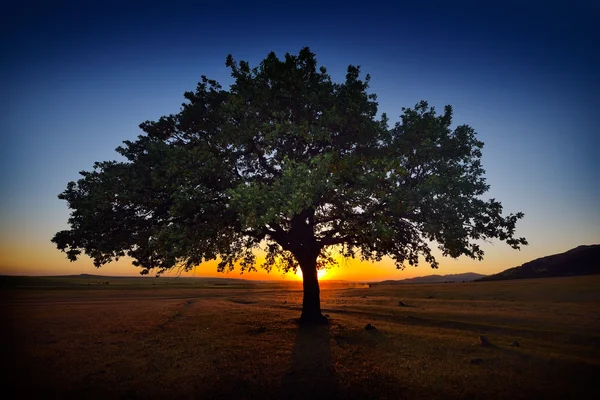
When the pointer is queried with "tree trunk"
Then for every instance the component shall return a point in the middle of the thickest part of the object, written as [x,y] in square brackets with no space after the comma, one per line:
[311,304]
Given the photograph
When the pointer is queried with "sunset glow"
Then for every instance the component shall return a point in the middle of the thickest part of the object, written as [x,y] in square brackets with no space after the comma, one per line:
[322,274]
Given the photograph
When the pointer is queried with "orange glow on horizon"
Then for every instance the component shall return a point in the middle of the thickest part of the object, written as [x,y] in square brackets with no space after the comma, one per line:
[32,256]
[321,274]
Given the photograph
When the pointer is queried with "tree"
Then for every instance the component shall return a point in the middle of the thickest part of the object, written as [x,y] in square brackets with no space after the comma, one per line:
[288,161]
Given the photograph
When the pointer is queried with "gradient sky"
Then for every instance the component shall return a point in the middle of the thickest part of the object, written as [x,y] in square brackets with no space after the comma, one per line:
[79,77]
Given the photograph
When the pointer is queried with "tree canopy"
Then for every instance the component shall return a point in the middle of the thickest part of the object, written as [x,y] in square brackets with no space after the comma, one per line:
[288,161]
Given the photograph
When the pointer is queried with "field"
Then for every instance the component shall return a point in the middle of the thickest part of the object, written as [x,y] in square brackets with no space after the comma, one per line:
[180,338]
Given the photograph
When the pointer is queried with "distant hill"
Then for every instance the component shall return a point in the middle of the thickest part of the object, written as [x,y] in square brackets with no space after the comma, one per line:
[91,281]
[467,277]
[582,260]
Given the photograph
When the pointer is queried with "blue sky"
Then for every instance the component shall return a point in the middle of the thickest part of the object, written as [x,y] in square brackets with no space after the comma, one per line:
[79,77]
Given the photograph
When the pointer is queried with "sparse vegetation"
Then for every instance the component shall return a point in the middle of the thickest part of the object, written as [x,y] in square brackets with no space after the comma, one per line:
[195,340]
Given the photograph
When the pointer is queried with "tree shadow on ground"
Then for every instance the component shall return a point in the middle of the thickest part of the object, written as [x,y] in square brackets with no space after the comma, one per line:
[311,373]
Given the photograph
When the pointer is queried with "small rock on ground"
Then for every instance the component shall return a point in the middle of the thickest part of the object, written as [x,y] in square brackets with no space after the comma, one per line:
[484,341]
[370,327]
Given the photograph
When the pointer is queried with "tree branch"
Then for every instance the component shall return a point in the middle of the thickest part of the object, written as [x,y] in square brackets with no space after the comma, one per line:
[280,236]
[334,240]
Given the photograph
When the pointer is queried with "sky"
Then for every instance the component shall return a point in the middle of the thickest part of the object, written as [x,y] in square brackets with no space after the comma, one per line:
[79,77]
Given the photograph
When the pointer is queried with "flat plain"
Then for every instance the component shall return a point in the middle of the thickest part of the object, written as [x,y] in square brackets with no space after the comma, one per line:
[201,338]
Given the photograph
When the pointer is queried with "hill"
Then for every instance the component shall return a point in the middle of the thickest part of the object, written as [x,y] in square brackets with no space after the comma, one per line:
[101,281]
[467,276]
[582,260]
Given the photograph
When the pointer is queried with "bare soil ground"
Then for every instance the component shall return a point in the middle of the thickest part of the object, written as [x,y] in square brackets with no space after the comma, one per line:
[237,341]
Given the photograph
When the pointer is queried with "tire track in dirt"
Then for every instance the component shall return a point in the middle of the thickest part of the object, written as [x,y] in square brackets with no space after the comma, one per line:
[567,337]
[177,315]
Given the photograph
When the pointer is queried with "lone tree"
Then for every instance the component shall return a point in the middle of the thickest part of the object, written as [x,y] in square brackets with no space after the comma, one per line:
[291,162]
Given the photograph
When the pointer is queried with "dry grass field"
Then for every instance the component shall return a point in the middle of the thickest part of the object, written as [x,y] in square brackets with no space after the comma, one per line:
[174,339]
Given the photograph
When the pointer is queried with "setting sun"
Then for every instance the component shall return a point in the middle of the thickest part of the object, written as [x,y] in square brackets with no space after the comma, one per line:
[320,273]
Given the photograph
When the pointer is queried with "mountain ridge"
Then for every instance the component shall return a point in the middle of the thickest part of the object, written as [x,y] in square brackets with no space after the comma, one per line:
[466,277]
[581,260]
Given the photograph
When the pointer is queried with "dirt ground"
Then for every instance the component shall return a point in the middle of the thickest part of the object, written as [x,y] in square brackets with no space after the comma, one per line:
[227,341]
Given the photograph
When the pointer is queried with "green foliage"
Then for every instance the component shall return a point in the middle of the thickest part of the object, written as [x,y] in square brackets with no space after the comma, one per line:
[291,162]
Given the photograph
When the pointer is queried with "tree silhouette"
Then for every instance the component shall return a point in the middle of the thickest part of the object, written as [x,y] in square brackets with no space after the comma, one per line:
[291,162]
